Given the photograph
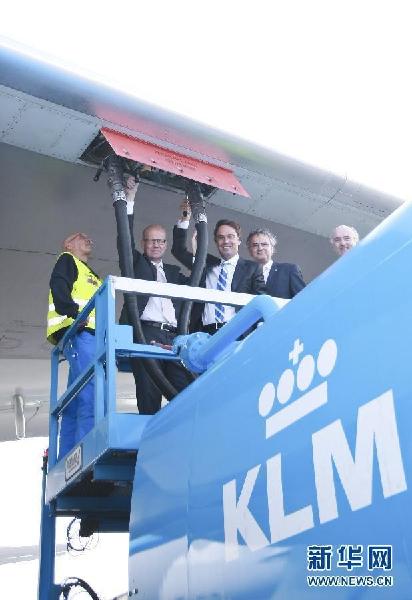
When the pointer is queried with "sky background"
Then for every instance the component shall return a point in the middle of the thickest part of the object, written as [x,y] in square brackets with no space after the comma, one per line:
[325,81]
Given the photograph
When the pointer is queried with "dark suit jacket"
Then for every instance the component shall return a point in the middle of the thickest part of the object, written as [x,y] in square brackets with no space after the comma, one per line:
[144,269]
[285,280]
[247,278]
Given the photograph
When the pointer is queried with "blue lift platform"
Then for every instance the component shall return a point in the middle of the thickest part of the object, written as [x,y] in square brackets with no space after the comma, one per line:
[94,481]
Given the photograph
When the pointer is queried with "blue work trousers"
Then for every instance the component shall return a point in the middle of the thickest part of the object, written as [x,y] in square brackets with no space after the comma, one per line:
[78,416]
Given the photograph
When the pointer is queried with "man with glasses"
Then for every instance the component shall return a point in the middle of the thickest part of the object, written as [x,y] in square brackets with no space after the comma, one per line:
[72,284]
[283,280]
[157,315]
[228,272]
[343,238]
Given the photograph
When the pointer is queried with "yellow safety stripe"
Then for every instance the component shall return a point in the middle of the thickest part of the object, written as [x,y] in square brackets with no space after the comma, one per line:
[56,320]
[83,288]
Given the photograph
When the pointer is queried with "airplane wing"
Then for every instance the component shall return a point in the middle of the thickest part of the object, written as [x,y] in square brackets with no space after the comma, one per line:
[55,112]
[50,117]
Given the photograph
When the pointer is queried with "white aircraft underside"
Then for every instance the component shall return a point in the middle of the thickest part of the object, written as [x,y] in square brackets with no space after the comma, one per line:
[48,117]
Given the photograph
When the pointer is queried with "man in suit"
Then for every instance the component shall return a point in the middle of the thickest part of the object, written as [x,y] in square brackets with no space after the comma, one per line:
[283,280]
[157,315]
[228,272]
[343,238]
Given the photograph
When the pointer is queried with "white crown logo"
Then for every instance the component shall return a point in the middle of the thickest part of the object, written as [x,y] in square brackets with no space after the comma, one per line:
[305,372]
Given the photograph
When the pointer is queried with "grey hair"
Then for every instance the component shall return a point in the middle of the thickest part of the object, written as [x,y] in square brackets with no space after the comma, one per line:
[353,230]
[272,238]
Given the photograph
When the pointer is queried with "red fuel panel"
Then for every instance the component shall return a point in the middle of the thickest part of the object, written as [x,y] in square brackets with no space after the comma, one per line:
[173,162]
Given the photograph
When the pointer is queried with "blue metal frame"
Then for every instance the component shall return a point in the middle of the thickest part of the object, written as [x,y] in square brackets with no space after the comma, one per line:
[47,590]
[113,435]
[200,351]
[112,432]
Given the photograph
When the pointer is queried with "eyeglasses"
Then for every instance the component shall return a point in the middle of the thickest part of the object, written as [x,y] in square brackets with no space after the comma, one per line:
[259,245]
[154,241]
[345,238]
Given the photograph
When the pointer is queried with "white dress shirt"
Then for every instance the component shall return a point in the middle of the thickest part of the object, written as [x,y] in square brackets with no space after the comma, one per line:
[159,309]
[211,283]
[266,269]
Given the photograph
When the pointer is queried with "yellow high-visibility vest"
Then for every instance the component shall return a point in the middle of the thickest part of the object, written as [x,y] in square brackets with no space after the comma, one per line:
[84,287]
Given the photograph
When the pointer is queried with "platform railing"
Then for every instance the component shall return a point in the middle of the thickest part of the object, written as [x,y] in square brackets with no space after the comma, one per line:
[107,453]
[114,341]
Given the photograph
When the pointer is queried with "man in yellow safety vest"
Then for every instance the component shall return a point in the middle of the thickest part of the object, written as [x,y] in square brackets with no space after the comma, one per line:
[72,284]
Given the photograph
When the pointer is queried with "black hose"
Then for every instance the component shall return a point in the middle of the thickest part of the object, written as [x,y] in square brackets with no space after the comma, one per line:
[195,276]
[126,269]
[74,582]
[199,214]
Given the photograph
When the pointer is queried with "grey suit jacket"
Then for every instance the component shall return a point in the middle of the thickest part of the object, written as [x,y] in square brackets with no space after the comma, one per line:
[285,280]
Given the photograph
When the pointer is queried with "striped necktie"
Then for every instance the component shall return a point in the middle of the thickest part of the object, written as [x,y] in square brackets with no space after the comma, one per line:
[221,285]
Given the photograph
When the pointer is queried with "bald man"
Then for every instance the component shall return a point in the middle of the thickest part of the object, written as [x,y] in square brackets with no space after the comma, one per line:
[72,284]
[343,238]
[158,316]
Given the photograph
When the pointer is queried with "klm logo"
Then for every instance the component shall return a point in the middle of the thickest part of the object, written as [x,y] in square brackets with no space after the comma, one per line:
[283,402]
[289,412]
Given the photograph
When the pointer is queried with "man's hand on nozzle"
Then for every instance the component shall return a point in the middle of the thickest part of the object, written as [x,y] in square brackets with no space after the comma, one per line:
[186,211]
[130,189]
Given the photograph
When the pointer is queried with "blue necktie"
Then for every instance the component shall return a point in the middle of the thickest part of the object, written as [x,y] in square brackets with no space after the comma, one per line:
[221,285]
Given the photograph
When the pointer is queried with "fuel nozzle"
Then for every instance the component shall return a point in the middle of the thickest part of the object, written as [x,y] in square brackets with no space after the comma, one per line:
[196,201]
